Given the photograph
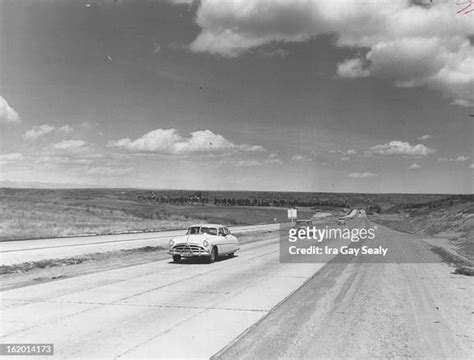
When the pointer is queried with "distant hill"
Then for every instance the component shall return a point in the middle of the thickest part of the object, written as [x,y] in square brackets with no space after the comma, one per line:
[41,185]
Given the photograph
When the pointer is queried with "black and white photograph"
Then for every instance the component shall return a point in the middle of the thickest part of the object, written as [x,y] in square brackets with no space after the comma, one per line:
[237,179]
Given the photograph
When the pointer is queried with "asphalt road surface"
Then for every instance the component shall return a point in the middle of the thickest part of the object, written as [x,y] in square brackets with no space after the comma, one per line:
[14,252]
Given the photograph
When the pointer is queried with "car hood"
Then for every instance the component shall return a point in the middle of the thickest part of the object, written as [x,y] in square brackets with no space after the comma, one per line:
[191,239]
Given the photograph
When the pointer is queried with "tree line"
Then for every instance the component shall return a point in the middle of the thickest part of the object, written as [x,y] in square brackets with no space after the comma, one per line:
[200,199]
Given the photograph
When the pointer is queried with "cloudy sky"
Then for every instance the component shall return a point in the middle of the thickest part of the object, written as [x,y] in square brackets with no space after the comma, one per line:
[340,95]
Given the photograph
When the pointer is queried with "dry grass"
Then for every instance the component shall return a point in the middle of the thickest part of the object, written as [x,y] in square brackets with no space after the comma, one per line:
[455,223]
[39,219]
[28,214]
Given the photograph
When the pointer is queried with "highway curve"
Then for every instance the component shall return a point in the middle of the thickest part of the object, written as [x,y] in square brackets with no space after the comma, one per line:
[370,310]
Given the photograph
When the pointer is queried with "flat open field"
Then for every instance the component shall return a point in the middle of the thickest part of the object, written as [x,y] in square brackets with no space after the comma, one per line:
[40,213]
[27,214]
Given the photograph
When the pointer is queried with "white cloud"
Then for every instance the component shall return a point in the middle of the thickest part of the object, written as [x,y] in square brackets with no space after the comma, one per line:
[414,166]
[471,166]
[11,157]
[108,171]
[274,161]
[71,145]
[460,158]
[352,68]
[66,129]
[38,131]
[345,158]
[299,157]
[344,152]
[7,113]
[364,175]
[248,163]
[400,148]
[169,141]
[252,148]
[181,2]
[411,45]
[425,137]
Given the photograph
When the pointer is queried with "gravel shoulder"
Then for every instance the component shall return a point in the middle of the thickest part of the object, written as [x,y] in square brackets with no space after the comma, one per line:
[370,310]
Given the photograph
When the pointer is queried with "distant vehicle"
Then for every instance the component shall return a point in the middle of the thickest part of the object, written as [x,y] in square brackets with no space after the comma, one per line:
[207,241]
[303,224]
[341,221]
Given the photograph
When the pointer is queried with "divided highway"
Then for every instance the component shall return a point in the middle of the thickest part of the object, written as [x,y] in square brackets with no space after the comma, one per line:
[252,306]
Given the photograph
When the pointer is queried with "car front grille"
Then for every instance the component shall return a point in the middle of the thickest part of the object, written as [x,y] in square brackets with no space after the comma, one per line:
[188,247]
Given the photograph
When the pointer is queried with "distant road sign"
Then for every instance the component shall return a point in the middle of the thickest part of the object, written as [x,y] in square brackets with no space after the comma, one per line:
[292,214]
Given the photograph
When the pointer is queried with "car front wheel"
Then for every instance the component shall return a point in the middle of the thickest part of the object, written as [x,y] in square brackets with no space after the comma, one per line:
[177,258]
[213,255]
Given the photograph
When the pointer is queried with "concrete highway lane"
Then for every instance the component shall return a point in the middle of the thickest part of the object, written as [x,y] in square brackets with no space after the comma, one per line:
[14,252]
[155,310]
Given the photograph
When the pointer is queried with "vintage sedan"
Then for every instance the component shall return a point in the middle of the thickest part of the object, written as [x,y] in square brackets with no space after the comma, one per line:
[206,241]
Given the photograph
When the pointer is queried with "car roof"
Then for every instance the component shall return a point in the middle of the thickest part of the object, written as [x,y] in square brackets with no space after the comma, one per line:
[207,225]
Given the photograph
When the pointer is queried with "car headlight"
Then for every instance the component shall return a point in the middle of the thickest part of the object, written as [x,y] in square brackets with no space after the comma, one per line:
[171,243]
[205,243]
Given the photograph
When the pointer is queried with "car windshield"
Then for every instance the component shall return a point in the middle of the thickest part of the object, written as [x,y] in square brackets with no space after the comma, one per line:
[196,230]
[207,230]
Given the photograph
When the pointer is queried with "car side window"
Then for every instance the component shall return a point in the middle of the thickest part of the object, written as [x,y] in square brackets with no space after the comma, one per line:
[222,232]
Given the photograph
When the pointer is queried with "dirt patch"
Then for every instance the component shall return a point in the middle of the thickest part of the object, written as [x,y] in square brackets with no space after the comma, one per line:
[463,266]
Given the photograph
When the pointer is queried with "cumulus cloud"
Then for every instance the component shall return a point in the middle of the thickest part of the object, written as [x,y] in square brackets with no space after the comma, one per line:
[71,145]
[425,137]
[11,157]
[66,129]
[169,141]
[248,163]
[364,175]
[460,158]
[400,148]
[38,131]
[414,166]
[299,157]
[181,2]
[344,152]
[399,40]
[7,113]
[108,171]
[352,68]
